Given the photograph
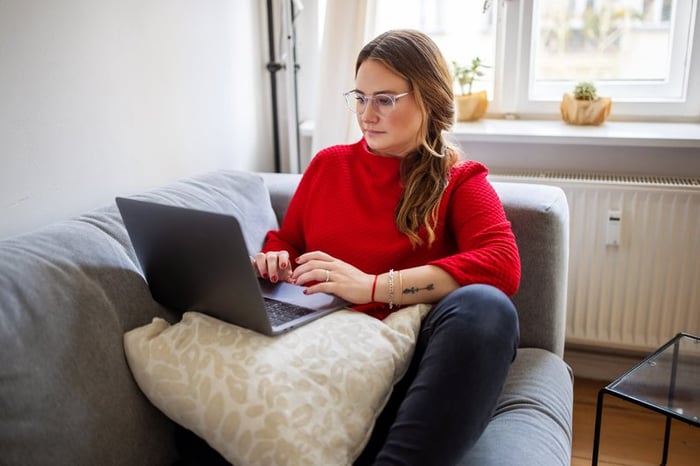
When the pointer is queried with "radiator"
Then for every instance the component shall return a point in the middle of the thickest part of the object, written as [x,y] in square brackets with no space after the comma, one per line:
[634,270]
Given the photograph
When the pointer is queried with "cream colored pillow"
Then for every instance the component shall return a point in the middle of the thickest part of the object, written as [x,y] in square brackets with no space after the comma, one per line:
[308,397]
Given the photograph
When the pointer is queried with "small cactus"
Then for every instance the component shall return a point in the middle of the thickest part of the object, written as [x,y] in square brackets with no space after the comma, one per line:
[585,91]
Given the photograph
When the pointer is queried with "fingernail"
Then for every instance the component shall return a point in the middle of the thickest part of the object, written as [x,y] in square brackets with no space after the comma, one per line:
[273,279]
[283,265]
[264,275]
[306,291]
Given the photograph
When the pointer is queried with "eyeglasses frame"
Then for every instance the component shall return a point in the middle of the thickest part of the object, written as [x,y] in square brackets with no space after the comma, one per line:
[368,98]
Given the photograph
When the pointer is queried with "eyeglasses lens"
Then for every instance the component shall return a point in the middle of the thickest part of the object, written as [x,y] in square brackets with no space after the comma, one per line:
[381,103]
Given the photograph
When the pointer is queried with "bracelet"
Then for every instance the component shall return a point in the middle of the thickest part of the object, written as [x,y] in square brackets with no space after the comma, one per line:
[374,287]
[391,289]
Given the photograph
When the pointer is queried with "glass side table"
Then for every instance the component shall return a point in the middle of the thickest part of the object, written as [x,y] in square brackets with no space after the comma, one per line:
[667,381]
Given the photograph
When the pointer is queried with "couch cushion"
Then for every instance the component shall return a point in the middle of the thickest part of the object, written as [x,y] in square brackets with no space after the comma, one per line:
[532,422]
[65,396]
[241,194]
[309,396]
[68,293]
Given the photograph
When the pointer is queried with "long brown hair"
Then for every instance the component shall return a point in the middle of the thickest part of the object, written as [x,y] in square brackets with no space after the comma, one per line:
[425,172]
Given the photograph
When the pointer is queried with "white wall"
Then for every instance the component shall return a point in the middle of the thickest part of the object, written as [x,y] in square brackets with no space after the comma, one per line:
[587,158]
[111,97]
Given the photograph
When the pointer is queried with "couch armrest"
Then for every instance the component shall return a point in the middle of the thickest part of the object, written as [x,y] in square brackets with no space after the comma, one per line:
[281,187]
[539,216]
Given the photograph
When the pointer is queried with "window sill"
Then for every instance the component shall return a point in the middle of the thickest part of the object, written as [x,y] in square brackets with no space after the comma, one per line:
[629,148]
[611,133]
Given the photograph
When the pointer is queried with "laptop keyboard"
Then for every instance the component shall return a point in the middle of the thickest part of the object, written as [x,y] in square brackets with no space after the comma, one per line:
[281,312]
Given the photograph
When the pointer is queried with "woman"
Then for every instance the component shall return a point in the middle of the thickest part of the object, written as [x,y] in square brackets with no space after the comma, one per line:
[395,219]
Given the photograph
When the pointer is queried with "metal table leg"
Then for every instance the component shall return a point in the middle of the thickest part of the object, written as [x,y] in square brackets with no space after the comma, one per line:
[667,436]
[598,420]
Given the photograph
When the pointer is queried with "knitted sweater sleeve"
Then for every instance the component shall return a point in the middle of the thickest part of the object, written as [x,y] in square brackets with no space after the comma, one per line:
[488,253]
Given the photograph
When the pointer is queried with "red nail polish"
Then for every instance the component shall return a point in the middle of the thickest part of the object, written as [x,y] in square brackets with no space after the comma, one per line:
[273,279]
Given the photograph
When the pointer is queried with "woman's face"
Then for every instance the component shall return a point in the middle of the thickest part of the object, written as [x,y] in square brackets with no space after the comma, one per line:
[394,134]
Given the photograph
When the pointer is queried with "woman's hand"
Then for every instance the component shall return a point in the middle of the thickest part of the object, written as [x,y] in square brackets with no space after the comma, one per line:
[273,266]
[332,276]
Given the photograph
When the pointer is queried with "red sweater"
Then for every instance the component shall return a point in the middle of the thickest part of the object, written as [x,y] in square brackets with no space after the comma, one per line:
[345,203]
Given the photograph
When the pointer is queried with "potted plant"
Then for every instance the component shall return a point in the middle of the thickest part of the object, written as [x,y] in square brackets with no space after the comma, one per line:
[471,106]
[584,106]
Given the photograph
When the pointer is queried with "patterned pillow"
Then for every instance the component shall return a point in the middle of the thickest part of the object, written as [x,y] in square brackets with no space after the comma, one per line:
[310,396]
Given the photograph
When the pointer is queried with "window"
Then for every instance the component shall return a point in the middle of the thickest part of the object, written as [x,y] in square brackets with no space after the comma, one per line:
[645,54]
[462,29]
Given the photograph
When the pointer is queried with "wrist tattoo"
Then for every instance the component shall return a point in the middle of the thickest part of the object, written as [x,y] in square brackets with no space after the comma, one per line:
[414,290]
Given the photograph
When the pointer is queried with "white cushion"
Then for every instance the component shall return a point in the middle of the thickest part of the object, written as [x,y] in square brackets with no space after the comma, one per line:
[310,396]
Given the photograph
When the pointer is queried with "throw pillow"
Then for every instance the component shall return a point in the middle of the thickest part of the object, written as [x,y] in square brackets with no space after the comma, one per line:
[310,396]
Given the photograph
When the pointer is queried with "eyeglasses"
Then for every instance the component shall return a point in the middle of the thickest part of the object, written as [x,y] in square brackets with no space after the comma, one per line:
[383,104]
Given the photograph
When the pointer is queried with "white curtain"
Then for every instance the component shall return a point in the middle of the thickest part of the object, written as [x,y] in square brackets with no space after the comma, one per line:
[347,28]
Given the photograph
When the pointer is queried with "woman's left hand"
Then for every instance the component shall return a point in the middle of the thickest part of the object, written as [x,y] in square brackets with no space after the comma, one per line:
[332,276]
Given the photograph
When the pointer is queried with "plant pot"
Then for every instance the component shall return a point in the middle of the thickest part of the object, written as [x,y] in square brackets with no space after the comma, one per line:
[471,107]
[584,112]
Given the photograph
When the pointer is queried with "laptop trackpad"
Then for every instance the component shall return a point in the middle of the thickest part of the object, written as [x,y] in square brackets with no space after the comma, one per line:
[295,294]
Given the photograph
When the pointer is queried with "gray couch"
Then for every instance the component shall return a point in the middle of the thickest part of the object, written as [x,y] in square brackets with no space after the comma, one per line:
[69,291]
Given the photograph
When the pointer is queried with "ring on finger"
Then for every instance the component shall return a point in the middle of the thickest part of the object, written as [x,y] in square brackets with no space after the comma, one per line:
[328,275]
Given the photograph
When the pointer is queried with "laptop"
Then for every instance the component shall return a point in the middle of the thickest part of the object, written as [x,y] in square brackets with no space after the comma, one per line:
[196,260]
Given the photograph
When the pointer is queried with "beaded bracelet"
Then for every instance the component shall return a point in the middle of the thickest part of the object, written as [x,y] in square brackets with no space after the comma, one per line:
[400,289]
[391,289]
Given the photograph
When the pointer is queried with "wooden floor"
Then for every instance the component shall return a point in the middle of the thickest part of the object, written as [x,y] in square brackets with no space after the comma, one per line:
[630,435]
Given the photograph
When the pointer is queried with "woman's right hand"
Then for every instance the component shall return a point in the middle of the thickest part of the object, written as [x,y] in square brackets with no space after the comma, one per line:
[274,266]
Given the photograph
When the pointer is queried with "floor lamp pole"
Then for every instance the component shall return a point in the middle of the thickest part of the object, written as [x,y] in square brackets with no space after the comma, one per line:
[273,67]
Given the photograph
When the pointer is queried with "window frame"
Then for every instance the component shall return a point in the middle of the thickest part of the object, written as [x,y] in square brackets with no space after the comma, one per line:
[525,100]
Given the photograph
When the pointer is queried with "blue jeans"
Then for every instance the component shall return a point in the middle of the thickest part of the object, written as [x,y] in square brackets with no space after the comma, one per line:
[445,401]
